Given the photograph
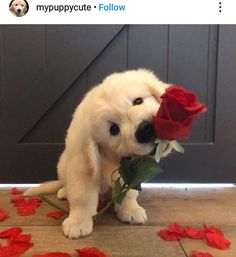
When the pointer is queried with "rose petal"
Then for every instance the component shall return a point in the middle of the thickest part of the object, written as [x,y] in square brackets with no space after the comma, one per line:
[200,254]
[217,241]
[17,243]
[177,112]
[22,246]
[20,238]
[18,201]
[55,214]
[195,233]
[25,211]
[21,241]
[168,236]
[15,191]
[10,232]
[90,252]
[180,95]
[163,111]
[174,232]
[26,207]
[9,251]
[3,214]
[197,109]
[34,202]
[214,236]
[177,229]
[170,130]
[213,230]
[52,254]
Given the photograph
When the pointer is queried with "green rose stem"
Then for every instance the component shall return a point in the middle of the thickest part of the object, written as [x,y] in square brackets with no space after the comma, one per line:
[45,199]
[108,206]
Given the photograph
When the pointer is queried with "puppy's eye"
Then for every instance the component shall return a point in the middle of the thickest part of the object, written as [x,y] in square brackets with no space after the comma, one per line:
[138,101]
[114,129]
[16,4]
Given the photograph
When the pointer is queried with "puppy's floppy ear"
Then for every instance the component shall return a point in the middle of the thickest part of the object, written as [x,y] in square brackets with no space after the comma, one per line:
[11,5]
[26,8]
[80,143]
[156,87]
[92,156]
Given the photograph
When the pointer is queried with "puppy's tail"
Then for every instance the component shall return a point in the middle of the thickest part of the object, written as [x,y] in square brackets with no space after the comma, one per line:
[49,187]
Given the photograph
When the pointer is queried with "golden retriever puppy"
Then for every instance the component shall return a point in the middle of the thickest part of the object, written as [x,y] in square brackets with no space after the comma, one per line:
[113,120]
[19,7]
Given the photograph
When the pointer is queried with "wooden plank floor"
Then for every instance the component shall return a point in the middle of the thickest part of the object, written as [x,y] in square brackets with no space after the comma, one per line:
[188,207]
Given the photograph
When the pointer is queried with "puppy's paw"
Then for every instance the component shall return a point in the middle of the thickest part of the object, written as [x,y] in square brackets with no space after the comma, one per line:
[133,215]
[61,194]
[74,228]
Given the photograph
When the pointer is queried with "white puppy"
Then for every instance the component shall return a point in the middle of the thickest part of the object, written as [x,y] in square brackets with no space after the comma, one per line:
[19,7]
[113,120]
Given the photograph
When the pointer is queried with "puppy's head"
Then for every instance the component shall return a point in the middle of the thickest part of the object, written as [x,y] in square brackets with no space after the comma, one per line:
[19,7]
[120,113]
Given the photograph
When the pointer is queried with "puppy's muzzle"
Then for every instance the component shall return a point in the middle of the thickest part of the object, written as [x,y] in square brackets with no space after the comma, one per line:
[145,133]
[18,10]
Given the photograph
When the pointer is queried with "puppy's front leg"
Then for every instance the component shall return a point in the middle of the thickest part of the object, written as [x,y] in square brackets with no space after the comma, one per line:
[129,210]
[82,194]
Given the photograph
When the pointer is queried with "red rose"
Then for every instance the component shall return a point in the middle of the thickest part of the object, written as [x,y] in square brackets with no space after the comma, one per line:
[178,110]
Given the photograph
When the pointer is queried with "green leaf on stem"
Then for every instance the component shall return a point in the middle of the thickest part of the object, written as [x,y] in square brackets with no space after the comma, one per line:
[126,170]
[136,171]
[117,188]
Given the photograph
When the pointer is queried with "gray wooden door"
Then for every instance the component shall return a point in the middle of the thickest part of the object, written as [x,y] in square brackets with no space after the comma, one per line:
[46,70]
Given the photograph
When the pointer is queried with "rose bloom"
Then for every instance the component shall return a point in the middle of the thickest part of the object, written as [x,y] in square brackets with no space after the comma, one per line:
[178,110]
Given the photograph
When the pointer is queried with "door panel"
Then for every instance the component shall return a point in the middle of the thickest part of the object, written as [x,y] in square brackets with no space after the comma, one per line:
[1,72]
[148,48]
[112,59]
[23,53]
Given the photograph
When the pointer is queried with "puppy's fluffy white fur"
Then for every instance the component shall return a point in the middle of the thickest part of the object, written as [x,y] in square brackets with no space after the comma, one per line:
[92,153]
[18,7]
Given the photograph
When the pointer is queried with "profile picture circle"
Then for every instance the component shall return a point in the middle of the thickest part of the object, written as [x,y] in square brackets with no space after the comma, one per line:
[19,8]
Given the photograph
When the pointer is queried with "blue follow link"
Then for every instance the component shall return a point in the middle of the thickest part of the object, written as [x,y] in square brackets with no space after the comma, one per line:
[111,7]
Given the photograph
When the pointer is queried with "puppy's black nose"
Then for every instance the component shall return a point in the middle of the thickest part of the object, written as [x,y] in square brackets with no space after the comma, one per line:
[145,132]
[18,10]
